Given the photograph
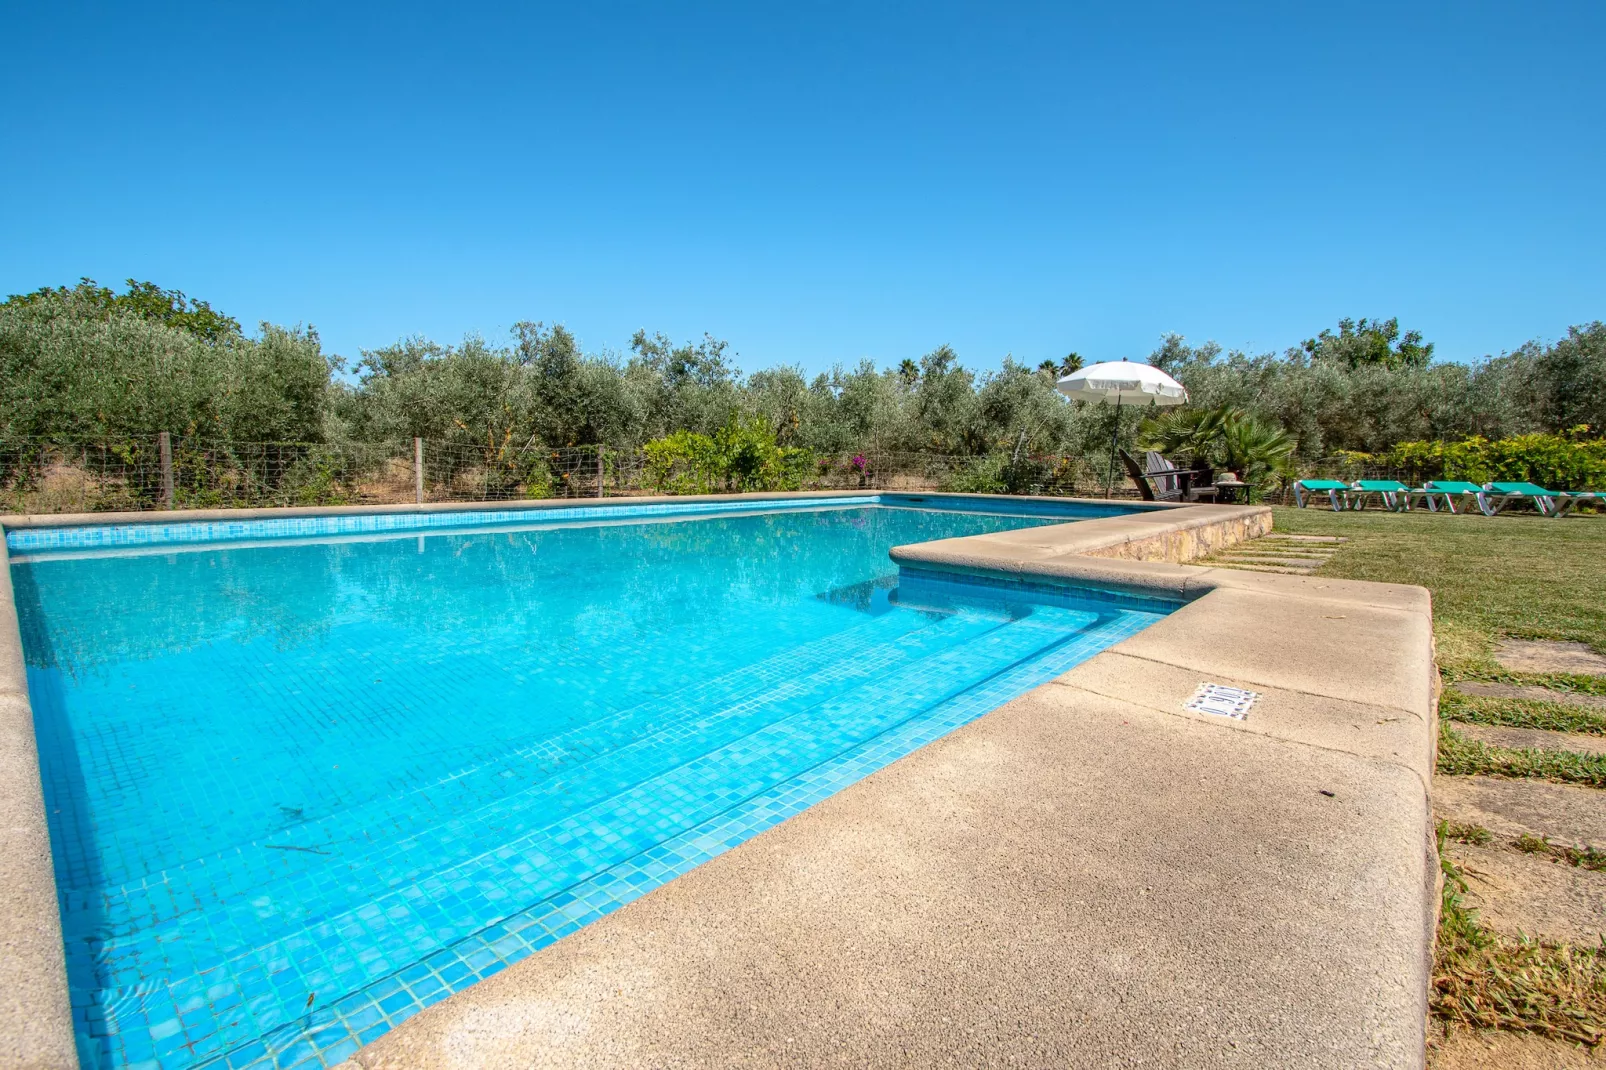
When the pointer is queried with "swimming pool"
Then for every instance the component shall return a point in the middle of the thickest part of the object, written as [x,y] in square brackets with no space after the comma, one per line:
[302,784]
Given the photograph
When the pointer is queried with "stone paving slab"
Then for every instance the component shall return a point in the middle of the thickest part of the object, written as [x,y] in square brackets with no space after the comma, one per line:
[1567,813]
[1489,689]
[1542,655]
[1533,894]
[1466,1049]
[1535,738]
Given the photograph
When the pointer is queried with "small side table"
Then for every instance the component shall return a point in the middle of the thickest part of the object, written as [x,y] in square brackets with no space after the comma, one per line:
[1232,491]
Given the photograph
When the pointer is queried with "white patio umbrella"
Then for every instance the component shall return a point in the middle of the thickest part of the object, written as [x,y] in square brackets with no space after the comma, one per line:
[1121,382]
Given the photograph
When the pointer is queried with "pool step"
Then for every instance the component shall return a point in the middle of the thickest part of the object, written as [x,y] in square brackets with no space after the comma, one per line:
[506,854]
[1278,553]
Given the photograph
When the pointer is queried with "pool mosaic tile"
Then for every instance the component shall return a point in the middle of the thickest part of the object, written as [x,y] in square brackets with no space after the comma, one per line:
[300,792]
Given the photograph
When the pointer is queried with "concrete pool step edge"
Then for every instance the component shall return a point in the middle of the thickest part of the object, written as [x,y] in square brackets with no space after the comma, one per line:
[554,817]
[1062,848]
[36,1024]
[35,1012]
[1353,989]
[555,749]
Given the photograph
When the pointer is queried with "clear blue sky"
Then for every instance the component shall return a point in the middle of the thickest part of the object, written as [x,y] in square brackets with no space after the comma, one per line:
[818,183]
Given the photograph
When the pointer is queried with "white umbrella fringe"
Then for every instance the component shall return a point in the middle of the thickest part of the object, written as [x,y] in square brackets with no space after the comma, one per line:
[1121,383]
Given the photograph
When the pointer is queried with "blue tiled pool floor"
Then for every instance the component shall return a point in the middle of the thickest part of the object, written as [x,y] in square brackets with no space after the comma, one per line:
[299,793]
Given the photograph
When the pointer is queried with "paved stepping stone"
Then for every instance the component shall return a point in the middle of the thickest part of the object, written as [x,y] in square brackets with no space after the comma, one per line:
[1535,738]
[1460,1048]
[1543,655]
[1286,554]
[1488,689]
[1567,813]
[1515,892]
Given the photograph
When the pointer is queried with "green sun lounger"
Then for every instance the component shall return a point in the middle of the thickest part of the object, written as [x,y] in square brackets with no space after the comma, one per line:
[1496,496]
[1450,490]
[1565,501]
[1335,489]
[1393,494]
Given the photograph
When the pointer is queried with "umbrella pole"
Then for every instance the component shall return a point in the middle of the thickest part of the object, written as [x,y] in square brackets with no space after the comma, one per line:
[1115,434]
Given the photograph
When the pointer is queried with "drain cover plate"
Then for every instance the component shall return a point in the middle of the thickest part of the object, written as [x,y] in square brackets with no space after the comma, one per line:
[1220,701]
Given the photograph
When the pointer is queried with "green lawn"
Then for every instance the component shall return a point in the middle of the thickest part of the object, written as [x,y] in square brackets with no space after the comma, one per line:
[1523,576]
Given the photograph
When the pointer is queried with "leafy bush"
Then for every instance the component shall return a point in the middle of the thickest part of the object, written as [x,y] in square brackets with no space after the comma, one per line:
[741,456]
[979,475]
[1559,462]
[71,369]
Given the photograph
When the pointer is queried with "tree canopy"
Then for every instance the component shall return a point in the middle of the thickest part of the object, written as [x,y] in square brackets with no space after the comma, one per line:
[85,362]
[143,299]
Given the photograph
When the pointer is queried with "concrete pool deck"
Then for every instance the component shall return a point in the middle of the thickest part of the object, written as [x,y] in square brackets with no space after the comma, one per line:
[1089,875]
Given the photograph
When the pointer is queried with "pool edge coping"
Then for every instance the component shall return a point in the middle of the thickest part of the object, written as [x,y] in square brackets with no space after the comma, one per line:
[1297,665]
[1143,552]
[36,1027]
[10,521]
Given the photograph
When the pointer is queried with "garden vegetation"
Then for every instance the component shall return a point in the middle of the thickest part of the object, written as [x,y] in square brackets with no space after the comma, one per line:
[86,363]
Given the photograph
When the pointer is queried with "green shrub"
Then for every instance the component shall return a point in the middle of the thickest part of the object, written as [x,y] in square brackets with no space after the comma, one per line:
[741,456]
[979,475]
[1560,462]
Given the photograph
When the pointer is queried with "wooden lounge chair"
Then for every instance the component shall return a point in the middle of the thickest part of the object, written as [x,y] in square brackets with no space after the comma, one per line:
[1159,480]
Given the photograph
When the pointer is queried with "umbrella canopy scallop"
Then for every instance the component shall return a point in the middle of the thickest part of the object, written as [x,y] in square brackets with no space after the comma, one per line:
[1122,382]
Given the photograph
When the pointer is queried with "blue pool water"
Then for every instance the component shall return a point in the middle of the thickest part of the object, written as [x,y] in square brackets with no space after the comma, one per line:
[301,789]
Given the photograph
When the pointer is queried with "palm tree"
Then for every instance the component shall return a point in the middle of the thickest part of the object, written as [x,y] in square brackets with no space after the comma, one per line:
[1255,449]
[1222,438]
[1187,432]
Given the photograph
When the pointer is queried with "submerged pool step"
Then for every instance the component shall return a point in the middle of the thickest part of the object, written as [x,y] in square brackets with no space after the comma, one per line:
[667,727]
[245,868]
[513,871]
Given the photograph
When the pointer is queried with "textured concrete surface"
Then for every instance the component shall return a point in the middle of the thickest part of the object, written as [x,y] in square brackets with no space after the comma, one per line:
[1071,880]
[1087,876]
[1567,813]
[35,1015]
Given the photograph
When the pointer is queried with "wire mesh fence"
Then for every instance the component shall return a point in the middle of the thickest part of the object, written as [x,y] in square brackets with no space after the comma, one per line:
[178,472]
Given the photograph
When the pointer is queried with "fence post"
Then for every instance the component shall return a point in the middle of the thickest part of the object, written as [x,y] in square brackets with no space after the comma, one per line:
[418,470]
[600,470]
[164,448]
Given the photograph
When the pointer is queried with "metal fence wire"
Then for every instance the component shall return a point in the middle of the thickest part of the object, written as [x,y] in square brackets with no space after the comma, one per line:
[180,472]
